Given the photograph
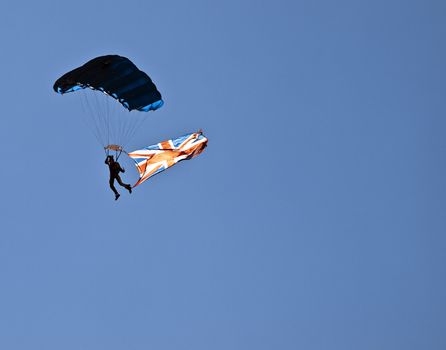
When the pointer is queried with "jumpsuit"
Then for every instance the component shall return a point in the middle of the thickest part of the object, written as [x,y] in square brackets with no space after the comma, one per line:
[115,169]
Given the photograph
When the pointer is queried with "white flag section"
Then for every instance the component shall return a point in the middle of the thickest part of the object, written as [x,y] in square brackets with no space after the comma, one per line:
[157,158]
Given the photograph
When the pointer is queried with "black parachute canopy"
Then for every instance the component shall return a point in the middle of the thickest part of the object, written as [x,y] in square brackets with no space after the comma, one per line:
[116,76]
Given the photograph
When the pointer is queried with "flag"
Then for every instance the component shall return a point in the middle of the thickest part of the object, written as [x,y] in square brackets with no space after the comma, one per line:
[157,158]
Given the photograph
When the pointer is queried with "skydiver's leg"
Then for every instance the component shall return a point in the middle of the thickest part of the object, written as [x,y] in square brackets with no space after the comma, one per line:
[127,186]
[112,186]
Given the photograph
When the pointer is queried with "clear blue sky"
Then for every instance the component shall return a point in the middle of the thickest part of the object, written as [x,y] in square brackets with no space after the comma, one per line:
[314,220]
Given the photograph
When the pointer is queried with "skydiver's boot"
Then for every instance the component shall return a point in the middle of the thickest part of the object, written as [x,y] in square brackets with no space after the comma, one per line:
[129,188]
[117,195]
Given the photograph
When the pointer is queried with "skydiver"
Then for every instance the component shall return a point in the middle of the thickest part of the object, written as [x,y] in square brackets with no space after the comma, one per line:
[115,169]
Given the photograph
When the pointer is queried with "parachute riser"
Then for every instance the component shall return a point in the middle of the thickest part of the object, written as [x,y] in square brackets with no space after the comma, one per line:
[118,150]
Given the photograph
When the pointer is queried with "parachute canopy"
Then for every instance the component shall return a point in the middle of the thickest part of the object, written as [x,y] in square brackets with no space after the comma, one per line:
[157,158]
[116,76]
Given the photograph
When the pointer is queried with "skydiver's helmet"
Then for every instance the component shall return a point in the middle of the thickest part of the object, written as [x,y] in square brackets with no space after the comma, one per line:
[110,158]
